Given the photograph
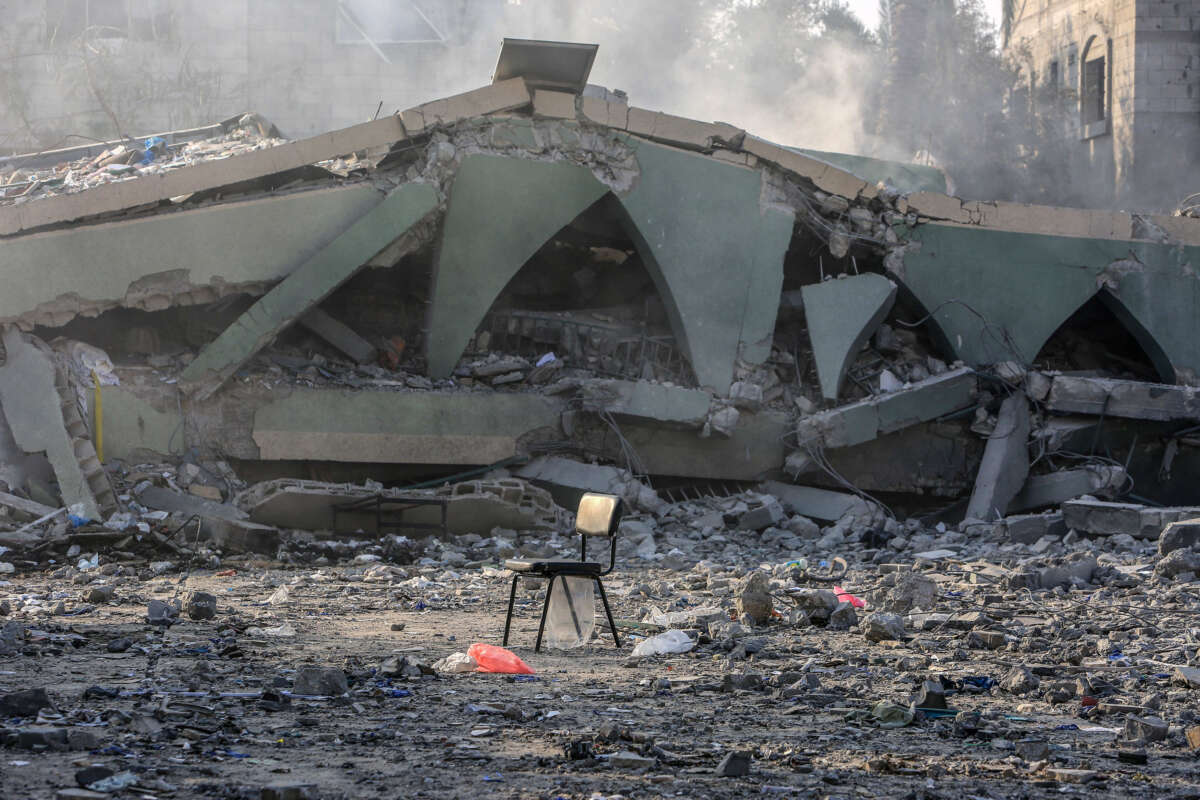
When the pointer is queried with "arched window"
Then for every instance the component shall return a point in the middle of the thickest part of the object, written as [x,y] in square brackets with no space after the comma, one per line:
[1095,91]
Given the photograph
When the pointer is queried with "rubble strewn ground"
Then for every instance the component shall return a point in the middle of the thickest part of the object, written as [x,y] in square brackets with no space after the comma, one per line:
[978,667]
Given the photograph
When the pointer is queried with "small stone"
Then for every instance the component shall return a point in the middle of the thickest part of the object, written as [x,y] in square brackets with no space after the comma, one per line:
[89,775]
[1193,737]
[206,492]
[288,791]
[1032,749]
[99,595]
[1145,729]
[320,682]
[25,703]
[119,645]
[735,764]
[1132,756]
[159,612]
[880,626]
[843,618]
[201,606]
[629,760]
[1188,676]
[985,640]
[1019,680]
[752,597]
[931,695]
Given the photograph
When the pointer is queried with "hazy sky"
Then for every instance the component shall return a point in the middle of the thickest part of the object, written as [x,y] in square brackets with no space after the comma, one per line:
[868,10]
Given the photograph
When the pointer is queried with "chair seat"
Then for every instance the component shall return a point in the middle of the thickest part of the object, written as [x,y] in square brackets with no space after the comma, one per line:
[554,567]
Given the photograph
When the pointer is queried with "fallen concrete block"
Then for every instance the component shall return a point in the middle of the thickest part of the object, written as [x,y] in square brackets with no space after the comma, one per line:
[643,401]
[175,502]
[822,504]
[1005,463]
[240,535]
[1118,398]
[340,335]
[1041,491]
[1179,535]
[841,316]
[568,480]
[1105,519]
[553,105]
[1029,528]
[868,419]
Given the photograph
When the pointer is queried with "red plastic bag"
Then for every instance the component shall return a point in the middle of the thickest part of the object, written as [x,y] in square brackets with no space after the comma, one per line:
[496,659]
[845,597]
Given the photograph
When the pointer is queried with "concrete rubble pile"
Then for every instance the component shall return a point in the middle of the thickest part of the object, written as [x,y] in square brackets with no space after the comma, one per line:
[903,468]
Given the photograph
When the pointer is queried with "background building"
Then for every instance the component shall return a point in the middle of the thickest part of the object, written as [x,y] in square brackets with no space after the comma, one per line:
[1119,80]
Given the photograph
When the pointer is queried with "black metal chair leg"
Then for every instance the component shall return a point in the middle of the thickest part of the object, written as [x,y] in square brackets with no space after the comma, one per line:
[537,648]
[512,597]
[612,626]
[566,587]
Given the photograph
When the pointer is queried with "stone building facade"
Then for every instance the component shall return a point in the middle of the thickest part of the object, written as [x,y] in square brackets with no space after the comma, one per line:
[1120,81]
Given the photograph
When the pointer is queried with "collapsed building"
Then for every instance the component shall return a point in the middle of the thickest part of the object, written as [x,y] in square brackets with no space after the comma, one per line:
[464,314]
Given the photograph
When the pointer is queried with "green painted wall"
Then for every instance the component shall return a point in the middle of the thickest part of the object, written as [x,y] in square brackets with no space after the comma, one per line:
[715,253]
[311,281]
[400,427]
[502,210]
[131,425]
[1021,287]
[258,240]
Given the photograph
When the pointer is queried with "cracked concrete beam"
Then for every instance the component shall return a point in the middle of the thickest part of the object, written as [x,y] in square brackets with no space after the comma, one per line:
[841,315]
[673,406]
[553,105]
[1043,491]
[155,188]
[1005,463]
[1118,398]
[605,112]
[340,335]
[492,99]
[822,504]
[868,419]
[307,285]
[681,130]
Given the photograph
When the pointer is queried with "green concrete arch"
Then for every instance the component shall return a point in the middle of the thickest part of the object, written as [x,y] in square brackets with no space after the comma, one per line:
[713,249]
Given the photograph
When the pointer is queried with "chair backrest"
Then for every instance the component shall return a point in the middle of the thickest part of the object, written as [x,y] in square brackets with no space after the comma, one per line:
[599,515]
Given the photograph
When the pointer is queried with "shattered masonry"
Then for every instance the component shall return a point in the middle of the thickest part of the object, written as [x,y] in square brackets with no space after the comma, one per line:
[516,271]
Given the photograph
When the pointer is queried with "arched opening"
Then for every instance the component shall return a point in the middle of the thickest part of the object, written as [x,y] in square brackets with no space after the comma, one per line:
[1103,337]
[1095,91]
[587,297]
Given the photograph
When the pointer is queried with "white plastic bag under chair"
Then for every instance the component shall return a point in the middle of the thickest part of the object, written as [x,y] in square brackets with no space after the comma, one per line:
[560,627]
[664,643]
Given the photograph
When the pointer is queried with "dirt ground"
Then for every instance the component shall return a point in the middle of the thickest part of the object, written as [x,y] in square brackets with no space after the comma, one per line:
[183,708]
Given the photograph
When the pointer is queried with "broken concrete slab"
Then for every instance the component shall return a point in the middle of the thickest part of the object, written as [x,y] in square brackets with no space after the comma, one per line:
[1041,491]
[340,335]
[42,410]
[568,480]
[549,104]
[841,315]
[1029,528]
[1120,398]
[822,504]
[1005,464]
[162,499]
[240,535]
[471,506]
[648,402]
[152,262]
[1104,519]
[868,419]
[149,189]
[27,507]
[505,95]
[307,285]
